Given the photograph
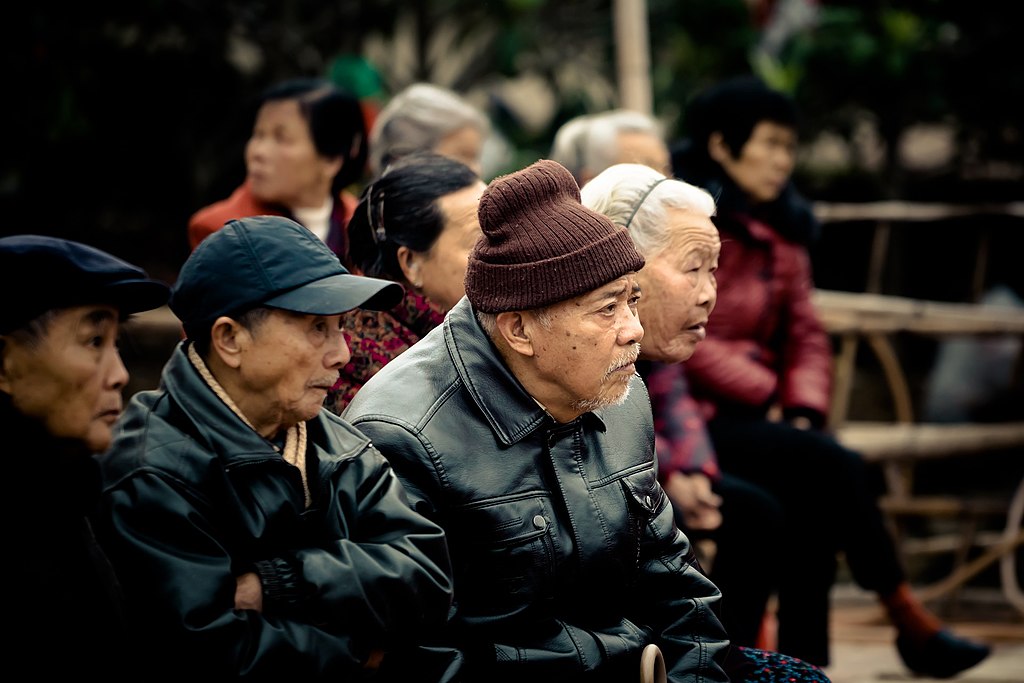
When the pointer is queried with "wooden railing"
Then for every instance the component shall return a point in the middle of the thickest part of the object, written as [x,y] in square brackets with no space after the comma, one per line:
[901,443]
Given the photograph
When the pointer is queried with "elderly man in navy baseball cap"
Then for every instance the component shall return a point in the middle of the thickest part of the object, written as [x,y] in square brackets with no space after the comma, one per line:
[61,383]
[266,537]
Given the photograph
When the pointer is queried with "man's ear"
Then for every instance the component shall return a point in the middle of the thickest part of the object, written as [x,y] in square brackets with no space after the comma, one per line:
[717,149]
[227,339]
[513,328]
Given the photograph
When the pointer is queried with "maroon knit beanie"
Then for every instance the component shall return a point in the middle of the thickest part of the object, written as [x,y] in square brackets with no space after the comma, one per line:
[540,245]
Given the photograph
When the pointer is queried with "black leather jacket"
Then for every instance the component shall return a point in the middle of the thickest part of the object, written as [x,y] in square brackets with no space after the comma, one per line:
[566,558]
[193,498]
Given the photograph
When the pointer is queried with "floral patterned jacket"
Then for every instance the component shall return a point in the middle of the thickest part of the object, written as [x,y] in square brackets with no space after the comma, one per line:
[376,337]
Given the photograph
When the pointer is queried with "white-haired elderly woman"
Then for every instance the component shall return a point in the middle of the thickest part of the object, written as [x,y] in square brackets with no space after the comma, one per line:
[590,143]
[428,118]
[670,223]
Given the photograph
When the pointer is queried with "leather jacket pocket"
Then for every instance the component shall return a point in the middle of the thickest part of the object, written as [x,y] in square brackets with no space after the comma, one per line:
[643,492]
[643,500]
[509,553]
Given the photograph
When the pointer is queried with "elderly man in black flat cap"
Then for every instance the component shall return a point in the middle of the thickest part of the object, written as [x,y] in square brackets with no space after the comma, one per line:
[61,379]
[260,536]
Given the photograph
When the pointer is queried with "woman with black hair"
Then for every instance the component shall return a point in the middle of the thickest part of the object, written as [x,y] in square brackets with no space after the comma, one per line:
[308,144]
[763,380]
[414,225]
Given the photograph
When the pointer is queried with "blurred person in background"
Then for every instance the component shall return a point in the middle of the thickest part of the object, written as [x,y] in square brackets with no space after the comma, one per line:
[567,144]
[428,118]
[414,225]
[308,144]
[590,143]
[763,380]
[61,384]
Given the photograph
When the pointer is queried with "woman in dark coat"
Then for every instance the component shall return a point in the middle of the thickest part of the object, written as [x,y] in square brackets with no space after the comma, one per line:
[763,377]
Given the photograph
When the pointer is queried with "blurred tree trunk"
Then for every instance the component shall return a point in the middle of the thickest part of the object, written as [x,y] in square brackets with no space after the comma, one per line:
[633,55]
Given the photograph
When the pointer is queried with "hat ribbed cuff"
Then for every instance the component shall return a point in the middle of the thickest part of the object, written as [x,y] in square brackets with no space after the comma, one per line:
[498,287]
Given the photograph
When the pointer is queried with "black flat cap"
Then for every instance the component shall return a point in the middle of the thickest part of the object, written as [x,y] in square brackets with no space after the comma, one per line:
[39,273]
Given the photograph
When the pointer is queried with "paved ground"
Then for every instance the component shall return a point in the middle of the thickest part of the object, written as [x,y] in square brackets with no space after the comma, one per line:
[863,649]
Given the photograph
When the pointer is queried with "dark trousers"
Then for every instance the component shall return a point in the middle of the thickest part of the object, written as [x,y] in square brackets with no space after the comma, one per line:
[739,568]
[829,498]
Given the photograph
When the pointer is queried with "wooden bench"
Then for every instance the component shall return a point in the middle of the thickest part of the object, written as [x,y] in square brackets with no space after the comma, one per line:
[902,442]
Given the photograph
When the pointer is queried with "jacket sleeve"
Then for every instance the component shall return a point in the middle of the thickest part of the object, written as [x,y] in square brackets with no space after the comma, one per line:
[674,594]
[182,580]
[806,377]
[680,436]
[732,370]
[391,575]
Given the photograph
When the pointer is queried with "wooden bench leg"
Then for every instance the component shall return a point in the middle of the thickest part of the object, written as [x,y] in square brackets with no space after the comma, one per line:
[973,568]
[1008,562]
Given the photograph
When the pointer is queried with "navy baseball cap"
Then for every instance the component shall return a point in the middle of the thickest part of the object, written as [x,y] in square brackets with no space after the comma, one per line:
[271,261]
[39,273]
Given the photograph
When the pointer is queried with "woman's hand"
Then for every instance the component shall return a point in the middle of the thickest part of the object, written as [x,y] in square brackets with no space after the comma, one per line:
[692,495]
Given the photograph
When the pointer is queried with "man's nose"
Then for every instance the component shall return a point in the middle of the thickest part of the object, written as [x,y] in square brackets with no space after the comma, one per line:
[708,292]
[119,373]
[632,331]
[339,354]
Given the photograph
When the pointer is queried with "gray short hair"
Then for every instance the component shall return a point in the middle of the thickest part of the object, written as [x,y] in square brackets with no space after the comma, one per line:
[600,149]
[416,119]
[567,145]
[250,319]
[489,321]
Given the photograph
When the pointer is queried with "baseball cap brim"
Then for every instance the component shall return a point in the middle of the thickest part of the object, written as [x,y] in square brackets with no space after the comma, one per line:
[340,293]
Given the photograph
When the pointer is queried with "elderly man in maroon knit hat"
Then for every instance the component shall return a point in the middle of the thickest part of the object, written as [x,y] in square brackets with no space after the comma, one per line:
[521,426]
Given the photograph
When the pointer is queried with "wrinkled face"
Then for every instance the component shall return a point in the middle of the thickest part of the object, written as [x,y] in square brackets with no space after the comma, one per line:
[586,354]
[288,362]
[442,269]
[71,379]
[765,163]
[679,287]
[465,144]
[636,147]
[281,161]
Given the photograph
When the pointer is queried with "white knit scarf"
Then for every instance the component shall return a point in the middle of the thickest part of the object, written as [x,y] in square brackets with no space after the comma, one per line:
[294,452]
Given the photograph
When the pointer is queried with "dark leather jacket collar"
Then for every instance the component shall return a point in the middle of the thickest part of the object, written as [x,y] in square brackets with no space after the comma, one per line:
[216,423]
[511,412]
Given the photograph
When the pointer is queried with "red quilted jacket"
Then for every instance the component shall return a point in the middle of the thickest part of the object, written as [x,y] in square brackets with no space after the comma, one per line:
[765,343]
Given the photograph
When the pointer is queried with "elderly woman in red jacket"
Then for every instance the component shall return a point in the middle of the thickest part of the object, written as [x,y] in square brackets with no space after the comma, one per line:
[308,145]
[762,378]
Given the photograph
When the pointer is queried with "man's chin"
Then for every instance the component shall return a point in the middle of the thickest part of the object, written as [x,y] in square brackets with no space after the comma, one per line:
[609,400]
